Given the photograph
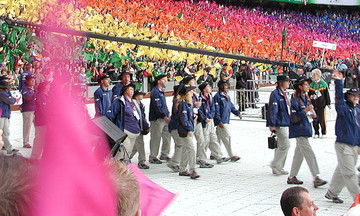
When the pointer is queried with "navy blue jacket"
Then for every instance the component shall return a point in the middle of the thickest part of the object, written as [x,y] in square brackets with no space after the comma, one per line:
[223,108]
[5,101]
[207,108]
[117,114]
[303,128]
[116,90]
[145,123]
[28,97]
[158,107]
[103,100]
[174,120]
[277,113]
[186,116]
[347,126]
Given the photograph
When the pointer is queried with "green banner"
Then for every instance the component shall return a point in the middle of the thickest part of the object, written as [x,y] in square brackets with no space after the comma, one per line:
[326,2]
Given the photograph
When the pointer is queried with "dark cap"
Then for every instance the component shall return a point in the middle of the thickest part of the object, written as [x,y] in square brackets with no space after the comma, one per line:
[159,77]
[125,72]
[176,89]
[4,84]
[353,91]
[301,81]
[138,92]
[185,89]
[187,78]
[125,87]
[221,83]
[203,86]
[103,77]
[282,78]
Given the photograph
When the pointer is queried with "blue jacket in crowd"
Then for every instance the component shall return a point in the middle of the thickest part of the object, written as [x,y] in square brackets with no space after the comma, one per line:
[223,108]
[5,101]
[347,126]
[277,113]
[174,120]
[186,116]
[28,97]
[118,112]
[207,108]
[103,100]
[116,90]
[144,123]
[158,107]
[302,128]
[23,79]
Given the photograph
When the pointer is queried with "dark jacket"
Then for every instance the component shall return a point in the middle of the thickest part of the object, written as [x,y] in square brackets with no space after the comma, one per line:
[5,101]
[242,76]
[28,97]
[347,126]
[116,90]
[41,107]
[103,100]
[117,114]
[174,120]
[144,124]
[207,108]
[223,108]
[302,128]
[210,79]
[277,113]
[186,117]
[158,107]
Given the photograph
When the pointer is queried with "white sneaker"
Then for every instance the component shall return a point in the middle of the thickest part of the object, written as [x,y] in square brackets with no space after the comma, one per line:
[316,136]
[323,136]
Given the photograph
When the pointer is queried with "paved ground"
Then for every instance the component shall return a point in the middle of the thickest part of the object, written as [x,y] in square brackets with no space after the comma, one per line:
[246,187]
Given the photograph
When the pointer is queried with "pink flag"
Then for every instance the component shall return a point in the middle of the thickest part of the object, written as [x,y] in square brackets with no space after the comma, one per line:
[153,198]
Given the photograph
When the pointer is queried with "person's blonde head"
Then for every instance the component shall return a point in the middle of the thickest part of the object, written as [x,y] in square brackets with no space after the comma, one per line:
[185,98]
[127,188]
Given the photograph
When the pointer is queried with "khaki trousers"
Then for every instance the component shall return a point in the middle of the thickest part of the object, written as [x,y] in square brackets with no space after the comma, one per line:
[224,136]
[129,144]
[175,160]
[211,141]
[188,156]
[304,150]
[39,141]
[283,145]
[159,130]
[345,173]
[200,142]
[5,126]
[28,122]
[139,147]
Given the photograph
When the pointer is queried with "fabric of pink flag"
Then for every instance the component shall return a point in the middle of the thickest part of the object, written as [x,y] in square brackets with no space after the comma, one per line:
[153,198]
[72,177]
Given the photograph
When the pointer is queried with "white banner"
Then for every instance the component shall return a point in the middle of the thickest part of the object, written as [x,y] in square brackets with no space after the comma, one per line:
[324,45]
